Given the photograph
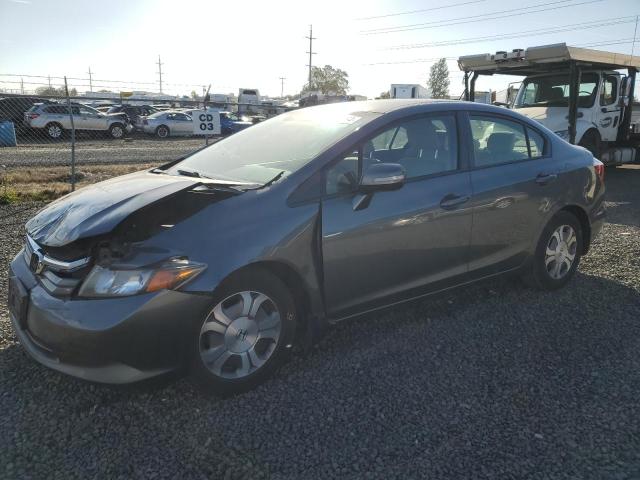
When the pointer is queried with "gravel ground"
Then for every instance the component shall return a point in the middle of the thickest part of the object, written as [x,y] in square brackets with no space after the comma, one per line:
[491,381]
[137,149]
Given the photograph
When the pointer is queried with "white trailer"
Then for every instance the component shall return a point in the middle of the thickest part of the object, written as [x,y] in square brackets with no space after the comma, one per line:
[585,96]
[408,90]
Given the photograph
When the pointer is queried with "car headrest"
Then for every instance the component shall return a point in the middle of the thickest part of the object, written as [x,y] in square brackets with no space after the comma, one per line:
[501,142]
[556,93]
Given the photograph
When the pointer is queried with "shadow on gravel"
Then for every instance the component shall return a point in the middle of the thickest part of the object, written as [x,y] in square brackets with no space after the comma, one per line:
[623,195]
[489,381]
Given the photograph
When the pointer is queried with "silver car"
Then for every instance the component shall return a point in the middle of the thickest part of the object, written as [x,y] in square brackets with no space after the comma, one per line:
[54,119]
[169,123]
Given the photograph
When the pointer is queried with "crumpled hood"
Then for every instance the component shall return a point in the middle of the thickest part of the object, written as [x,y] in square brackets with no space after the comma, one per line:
[99,208]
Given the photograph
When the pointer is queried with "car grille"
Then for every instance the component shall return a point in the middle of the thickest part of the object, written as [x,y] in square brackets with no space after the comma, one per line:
[58,277]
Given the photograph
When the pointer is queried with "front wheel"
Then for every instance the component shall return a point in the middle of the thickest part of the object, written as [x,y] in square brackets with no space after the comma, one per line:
[116,131]
[557,254]
[246,334]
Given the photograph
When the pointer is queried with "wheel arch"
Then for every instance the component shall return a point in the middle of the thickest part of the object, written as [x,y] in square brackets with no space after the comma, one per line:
[585,224]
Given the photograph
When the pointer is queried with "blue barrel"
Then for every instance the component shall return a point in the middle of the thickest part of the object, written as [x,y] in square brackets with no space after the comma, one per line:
[7,134]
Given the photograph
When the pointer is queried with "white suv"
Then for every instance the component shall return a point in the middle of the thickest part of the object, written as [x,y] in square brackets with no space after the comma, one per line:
[54,119]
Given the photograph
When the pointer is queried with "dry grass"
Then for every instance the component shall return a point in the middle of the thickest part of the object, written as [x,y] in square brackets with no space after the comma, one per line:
[48,183]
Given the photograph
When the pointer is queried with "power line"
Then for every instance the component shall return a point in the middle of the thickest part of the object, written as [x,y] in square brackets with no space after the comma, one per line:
[411,12]
[490,16]
[310,52]
[525,33]
[617,41]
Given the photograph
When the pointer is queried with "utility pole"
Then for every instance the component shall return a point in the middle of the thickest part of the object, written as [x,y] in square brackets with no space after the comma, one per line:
[160,72]
[49,79]
[21,86]
[310,52]
[90,80]
[635,32]
[282,79]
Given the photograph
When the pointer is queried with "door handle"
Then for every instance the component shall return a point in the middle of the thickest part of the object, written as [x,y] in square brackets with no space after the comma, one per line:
[544,178]
[452,201]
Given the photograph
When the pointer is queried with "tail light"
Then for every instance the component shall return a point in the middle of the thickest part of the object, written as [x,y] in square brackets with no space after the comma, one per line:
[598,166]
[32,116]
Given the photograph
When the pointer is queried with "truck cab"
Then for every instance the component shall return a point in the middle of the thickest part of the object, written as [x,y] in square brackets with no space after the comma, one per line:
[584,96]
[545,98]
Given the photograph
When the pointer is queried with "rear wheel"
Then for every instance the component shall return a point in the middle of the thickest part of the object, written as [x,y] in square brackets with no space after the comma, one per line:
[54,131]
[557,254]
[162,131]
[246,334]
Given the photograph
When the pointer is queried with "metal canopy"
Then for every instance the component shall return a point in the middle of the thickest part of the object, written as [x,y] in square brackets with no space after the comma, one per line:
[546,58]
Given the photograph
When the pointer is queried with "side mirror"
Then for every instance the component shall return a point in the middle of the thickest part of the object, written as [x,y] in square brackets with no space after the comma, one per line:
[623,101]
[382,176]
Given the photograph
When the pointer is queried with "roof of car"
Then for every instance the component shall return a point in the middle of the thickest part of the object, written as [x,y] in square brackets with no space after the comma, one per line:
[391,105]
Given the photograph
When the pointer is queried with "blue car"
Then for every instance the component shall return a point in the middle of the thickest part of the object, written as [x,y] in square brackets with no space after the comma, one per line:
[231,123]
[219,263]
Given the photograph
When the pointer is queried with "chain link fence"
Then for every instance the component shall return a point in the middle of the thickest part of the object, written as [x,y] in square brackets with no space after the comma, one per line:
[53,143]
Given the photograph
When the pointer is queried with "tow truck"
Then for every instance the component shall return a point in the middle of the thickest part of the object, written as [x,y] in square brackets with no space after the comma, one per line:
[585,96]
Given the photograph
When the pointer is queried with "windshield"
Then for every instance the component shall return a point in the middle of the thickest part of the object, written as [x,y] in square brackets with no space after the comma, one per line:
[282,144]
[553,91]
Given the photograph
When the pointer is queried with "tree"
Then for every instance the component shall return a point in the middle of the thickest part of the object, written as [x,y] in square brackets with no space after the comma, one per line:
[328,80]
[55,92]
[194,95]
[439,79]
[385,94]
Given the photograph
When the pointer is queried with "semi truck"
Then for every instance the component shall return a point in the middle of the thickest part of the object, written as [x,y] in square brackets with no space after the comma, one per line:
[408,90]
[585,96]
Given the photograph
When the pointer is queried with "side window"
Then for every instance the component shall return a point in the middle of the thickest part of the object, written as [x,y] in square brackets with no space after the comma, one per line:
[496,141]
[342,177]
[536,143]
[609,90]
[423,146]
[86,111]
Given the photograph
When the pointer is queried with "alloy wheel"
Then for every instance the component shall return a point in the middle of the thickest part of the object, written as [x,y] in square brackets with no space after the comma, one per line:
[560,252]
[54,131]
[240,334]
[116,131]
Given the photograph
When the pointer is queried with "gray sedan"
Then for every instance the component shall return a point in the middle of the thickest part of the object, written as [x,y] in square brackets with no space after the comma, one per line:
[168,123]
[223,261]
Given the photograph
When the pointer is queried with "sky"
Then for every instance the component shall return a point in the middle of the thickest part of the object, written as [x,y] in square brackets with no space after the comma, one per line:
[251,44]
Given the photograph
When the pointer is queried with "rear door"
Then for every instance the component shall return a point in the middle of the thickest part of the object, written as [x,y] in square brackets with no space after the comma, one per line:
[396,244]
[516,183]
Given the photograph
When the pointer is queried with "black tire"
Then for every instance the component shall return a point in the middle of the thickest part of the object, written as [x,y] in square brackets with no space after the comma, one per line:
[537,273]
[162,131]
[54,131]
[591,141]
[117,131]
[252,280]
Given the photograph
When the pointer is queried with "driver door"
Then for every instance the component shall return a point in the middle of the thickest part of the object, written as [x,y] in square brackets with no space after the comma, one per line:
[402,243]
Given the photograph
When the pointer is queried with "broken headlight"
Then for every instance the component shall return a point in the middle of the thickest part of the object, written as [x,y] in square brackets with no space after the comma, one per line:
[105,282]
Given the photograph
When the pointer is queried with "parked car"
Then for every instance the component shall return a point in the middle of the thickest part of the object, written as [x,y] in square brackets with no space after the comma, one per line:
[54,120]
[223,260]
[168,123]
[232,123]
[14,108]
[134,113]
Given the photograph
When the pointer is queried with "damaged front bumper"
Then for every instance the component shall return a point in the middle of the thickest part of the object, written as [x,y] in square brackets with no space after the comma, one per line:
[113,340]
